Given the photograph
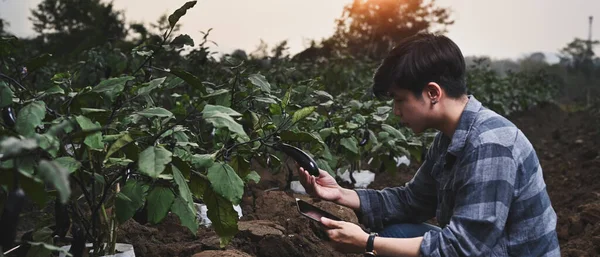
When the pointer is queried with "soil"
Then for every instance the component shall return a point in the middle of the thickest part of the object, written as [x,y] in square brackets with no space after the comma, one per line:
[566,143]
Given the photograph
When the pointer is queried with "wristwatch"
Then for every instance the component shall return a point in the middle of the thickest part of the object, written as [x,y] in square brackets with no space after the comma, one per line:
[369,251]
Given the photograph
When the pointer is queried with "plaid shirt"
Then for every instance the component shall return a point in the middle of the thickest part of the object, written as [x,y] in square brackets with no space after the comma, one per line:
[485,187]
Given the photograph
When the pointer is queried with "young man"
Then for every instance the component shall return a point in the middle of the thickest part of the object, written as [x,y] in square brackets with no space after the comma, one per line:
[481,177]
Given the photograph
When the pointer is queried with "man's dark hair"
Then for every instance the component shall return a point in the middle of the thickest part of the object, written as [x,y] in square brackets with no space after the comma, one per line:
[418,60]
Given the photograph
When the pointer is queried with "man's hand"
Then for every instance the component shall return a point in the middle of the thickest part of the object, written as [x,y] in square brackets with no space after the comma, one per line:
[346,237]
[324,186]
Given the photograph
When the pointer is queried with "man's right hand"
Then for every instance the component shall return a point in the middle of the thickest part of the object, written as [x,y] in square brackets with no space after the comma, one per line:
[324,186]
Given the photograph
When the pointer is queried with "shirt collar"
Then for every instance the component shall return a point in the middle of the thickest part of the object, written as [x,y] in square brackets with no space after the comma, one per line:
[465,123]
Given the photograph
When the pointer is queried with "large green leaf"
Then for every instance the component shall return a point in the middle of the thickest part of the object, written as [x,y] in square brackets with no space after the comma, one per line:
[226,182]
[210,110]
[55,174]
[198,185]
[303,113]
[261,82]
[153,160]
[203,160]
[221,120]
[117,145]
[182,186]
[155,112]
[129,200]
[159,202]
[322,164]
[112,87]
[222,215]
[94,140]
[69,163]
[186,213]
[174,18]
[153,84]
[6,95]
[350,143]
[192,80]
[393,132]
[252,176]
[30,117]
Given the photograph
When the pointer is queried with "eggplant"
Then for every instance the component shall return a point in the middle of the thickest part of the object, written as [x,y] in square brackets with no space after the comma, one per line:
[10,217]
[365,138]
[62,219]
[302,158]
[8,116]
[78,244]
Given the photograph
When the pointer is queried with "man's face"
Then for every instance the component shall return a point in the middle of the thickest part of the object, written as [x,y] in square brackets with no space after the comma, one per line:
[412,110]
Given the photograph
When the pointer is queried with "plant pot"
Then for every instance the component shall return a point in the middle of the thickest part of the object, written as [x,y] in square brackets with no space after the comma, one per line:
[124,250]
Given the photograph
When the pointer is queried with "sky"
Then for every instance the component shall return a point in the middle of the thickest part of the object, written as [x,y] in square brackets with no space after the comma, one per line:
[496,28]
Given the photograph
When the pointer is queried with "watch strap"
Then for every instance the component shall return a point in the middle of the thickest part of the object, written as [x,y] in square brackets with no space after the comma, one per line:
[369,251]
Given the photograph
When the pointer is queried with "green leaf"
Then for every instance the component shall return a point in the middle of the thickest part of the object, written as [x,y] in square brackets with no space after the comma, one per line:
[6,95]
[303,113]
[261,82]
[198,185]
[291,136]
[396,134]
[159,202]
[186,214]
[153,84]
[50,247]
[112,87]
[265,100]
[324,94]
[192,80]
[49,143]
[69,163]
[350,143]
[216,93]
[120,143]
[174,18]
[223,216]
[322,164]
[30,117]
[221,120]
[226,182]
[153,160]
[43,235]
[53,90]
[286,98]
[210,110]
[252,176]
[91,110]
[94,140]
[155,112]
[184,190]
[129,200]
[55,174]
[13,146]
[182,40]
[37,62]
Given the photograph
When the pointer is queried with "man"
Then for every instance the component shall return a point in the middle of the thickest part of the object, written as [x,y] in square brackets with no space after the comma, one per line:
[481,177]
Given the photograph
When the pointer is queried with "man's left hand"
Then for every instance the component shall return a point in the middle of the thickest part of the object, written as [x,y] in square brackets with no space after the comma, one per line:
[346,237]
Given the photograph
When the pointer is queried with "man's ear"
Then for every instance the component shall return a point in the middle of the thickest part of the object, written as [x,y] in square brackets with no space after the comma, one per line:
[433,92]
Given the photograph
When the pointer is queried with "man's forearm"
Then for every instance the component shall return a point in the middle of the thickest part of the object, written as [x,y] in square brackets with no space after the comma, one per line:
[349,198]
[398,246]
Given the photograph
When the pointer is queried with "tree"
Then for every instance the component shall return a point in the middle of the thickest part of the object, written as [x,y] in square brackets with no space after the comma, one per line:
[377,25]
[72,25]
[578,55]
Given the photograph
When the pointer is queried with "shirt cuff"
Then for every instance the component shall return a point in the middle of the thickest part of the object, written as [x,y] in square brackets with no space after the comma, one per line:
[370,209]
